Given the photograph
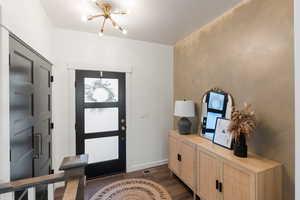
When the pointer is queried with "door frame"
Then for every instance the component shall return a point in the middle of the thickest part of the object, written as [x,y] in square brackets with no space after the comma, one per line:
[4,103]
[113,165]
[71,68]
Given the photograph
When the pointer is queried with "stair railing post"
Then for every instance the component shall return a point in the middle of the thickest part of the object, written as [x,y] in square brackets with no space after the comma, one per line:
[74,168]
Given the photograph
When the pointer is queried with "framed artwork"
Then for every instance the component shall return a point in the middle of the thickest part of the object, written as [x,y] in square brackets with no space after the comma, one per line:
[222,136]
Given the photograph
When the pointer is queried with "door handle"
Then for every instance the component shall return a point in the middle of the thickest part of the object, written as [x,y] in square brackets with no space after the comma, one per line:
[179,157]
[37,145]
[217,185]
[220,187]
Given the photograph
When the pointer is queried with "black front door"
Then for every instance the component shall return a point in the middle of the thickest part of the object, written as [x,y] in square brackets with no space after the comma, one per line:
[101,121]
[30,115]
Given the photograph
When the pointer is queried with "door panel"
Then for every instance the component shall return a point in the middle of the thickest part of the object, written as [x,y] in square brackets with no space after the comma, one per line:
[96,93]
[22,143]
[102,149]
[173,155]
[43,90]
[30,114]
[237,184]
[42,107]
[187,163]
[208,174]
[94,115]
[101,121]
[21,110]
[43,157]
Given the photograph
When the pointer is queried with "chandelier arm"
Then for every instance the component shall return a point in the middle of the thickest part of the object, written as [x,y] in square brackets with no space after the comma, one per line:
[95,16]
[103,24]
[121,12]
[100,5]
[114,23]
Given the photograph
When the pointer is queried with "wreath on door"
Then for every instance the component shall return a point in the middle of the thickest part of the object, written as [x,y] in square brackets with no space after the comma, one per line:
[99,91]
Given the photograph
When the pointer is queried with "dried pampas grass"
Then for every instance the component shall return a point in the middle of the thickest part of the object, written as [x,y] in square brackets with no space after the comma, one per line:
[242,122]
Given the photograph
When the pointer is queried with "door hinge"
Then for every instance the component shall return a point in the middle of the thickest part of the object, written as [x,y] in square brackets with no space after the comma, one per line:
[75,127]
[52,125]
[51,171]
[75,83]
[51,79]
[9,155]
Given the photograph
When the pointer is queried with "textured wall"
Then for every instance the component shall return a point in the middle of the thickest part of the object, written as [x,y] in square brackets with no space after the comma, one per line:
[249,52]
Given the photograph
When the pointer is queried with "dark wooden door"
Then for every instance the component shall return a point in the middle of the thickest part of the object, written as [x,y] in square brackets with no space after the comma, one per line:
[30,114]
[42,130]
[101,121]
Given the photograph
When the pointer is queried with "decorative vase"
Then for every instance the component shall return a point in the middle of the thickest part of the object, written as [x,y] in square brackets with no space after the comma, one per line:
[240,147]
[184,126]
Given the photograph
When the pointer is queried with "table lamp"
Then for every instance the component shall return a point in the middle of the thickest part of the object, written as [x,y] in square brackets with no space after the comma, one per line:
[184,109]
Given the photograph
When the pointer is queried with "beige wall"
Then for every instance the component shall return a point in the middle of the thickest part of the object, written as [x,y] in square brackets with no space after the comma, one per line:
[249,52]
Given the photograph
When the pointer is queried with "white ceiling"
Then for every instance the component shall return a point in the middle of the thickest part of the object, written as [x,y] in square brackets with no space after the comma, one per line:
[161,21]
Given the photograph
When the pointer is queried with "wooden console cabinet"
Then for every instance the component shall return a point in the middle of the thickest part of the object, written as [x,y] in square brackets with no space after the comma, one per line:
[214,173]
[182,160]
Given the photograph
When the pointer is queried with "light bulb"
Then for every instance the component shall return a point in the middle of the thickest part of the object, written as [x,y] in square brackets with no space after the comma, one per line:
[128,11]
[84,18]
[124,31]
[100,34]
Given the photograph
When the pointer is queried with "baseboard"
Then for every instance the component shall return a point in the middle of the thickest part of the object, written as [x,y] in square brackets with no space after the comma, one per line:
[146,165]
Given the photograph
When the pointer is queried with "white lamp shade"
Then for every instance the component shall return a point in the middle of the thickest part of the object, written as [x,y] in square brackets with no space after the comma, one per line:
[184,109]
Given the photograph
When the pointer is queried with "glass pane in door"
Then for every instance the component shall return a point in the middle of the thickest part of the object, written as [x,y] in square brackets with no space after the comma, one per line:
[101,119]
[98,90]
[102,149]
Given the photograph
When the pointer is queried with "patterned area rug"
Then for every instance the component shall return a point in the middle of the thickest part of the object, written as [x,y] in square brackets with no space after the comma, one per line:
[132,189]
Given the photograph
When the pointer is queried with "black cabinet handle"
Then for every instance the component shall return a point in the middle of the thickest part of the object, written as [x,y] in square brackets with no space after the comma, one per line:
[217,185]
[220,187]
[179,157]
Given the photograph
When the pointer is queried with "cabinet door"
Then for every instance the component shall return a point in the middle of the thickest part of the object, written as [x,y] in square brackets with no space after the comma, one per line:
[208,174]
[187,164]
[173,155]
[237,184]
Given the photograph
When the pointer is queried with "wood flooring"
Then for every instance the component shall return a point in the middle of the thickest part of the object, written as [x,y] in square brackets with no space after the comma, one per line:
[161,175]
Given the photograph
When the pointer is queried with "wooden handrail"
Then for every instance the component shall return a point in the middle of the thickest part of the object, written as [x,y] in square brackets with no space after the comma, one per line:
[73,175]
[31,182]
[71,189]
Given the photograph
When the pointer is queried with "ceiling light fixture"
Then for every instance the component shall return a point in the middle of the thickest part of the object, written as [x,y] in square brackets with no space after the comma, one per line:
[107,15]
[124,31]
[84,18]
